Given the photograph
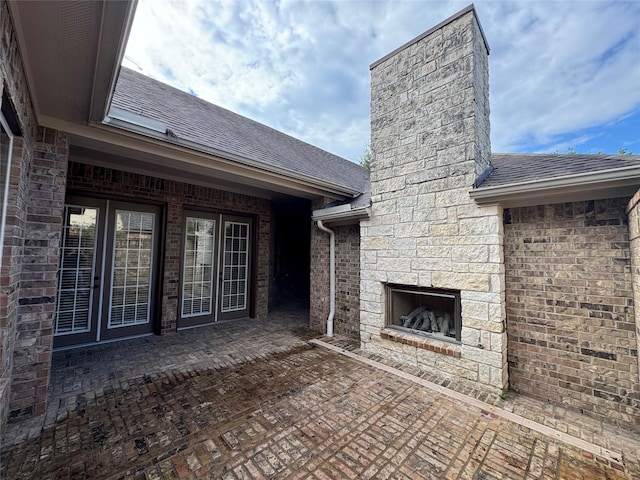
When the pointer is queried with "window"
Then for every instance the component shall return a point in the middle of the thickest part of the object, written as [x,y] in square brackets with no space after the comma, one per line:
[7,120]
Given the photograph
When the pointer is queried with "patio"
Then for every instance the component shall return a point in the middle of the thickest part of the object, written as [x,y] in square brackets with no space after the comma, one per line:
[251,399]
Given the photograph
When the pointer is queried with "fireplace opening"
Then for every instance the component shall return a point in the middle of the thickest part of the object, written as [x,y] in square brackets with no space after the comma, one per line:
[425,311]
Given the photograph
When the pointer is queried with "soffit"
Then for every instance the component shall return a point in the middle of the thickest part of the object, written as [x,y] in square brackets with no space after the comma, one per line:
[71,53]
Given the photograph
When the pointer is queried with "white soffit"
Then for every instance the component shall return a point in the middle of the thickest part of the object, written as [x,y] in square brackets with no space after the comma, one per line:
[64,46]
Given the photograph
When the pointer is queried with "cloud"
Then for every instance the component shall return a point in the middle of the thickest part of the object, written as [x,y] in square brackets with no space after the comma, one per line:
[302,67]
[561,67]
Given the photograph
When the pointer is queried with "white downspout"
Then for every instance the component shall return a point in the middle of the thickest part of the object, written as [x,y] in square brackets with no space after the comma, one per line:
[332,277]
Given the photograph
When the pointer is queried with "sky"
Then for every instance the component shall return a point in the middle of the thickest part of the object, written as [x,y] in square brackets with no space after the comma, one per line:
[564,75]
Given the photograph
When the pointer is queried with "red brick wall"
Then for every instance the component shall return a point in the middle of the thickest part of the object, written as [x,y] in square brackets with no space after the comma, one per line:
[570,311]
[347,315]
[633,210]
[319,274]
[13,82]
[37,293]
[176,196]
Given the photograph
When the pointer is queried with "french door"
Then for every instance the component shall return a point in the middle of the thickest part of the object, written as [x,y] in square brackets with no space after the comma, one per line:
[108,268]
[216,268]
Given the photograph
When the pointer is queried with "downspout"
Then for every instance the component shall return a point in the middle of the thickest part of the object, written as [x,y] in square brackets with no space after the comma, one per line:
[332,277]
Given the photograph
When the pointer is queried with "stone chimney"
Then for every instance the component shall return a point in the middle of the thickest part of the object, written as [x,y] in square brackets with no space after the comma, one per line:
[430,139]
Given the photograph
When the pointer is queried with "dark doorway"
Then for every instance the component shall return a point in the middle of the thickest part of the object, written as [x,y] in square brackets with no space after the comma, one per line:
[291,250]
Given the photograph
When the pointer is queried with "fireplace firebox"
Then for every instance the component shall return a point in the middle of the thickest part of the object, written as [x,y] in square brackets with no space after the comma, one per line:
[425,311]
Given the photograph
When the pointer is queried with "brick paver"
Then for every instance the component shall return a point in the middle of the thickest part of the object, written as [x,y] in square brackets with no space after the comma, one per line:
[297,412]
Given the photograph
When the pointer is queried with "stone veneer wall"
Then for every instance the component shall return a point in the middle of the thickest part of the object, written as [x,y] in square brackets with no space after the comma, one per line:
[570,310]
[177,196]
[430,137]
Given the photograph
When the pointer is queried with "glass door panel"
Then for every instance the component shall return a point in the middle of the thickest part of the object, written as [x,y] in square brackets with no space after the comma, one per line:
[234,282]
[216,268]
[197,295]
[130,286]
[78,275]
[131,255]
[107,271]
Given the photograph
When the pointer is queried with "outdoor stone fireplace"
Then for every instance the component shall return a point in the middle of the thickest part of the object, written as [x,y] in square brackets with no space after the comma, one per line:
[425,311]
[430,255]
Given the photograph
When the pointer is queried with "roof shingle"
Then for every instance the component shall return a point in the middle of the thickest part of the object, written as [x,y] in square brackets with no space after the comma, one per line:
[511,168]
[195,120]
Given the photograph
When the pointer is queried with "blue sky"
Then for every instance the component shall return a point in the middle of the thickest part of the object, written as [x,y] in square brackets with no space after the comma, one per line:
[562,74]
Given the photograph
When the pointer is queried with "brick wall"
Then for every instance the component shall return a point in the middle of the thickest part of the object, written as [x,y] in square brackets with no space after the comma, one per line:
[12,81]
[37,294]
[176,196]
[319,274]
[346,320]
[347,317]
[570,310]
[633,210]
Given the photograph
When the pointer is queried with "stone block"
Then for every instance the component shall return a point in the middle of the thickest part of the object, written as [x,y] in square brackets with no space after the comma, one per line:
[457,281]
[403,278]
[403,244]
[475,310]
[490,225]
[390,265]
[424,279]
[433,252]
[426,358]
[374,243]
[371,307]
[456,371]
[446,230]
[484,374]
[483,356]
[470,253]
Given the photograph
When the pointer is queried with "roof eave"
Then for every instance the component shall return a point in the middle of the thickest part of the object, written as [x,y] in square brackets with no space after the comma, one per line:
[620,182]
[117,20]
[154,143]
[165,138]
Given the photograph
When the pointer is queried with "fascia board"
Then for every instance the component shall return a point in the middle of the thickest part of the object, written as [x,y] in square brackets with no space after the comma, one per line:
[168,141]
[117,20]
[330,215]
[567,184]
[333,210]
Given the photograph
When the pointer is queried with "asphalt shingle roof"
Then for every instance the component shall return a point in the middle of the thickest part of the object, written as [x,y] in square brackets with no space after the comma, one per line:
[193,119]
[513,168]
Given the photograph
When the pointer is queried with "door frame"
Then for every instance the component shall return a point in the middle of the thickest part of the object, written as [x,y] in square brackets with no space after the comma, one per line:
[106,333]
[155,304]
[219,216]
[71,339]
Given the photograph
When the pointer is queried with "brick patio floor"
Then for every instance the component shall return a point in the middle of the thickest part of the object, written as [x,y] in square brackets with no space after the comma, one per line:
[256,400]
